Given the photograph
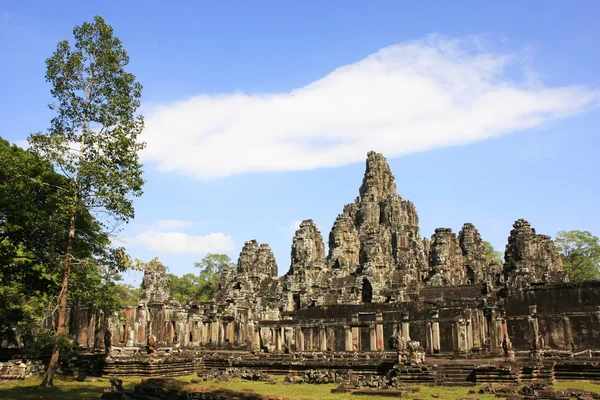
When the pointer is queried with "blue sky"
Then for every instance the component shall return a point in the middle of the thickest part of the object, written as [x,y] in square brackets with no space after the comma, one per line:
[260,114]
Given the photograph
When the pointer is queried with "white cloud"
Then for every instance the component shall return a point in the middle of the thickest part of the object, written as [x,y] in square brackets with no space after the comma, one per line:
[405,98]
[172,224]
[293,226]
[180,243]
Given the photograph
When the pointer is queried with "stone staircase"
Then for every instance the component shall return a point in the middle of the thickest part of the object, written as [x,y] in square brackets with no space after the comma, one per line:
[496,374]
[575,371]
[415,375]
[536,373]
[455,375]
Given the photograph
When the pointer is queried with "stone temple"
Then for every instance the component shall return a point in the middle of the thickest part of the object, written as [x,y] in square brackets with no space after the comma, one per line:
[378,281]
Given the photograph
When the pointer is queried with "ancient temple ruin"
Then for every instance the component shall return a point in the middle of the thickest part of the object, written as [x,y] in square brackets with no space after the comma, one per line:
[379,279]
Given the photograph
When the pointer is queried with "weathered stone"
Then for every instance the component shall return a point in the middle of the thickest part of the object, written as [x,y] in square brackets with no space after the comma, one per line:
[380,279]
[257,259]
[446,260]
[155,287]
[531,258]
[473,251]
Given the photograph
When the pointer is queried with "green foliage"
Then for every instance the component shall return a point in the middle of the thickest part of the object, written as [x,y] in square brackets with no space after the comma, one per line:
[93,137]
[185,289]
[126,295]
[96,285]
[580,252]
[212,266]
[492,256]
[45,342]
[33,236]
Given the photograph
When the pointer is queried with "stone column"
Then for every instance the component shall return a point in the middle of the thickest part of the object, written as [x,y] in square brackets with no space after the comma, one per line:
[256,339]
[460,335]
[373,337]
[277,337]
[435,332]
[379,332]
[323,337]
[311,345]
[496,333]
[214,334]
[221,333]
[355,338]
[229,332]
[567,328]
[469,334]
[299,339]
[534,328]
[348,338]
[405,327]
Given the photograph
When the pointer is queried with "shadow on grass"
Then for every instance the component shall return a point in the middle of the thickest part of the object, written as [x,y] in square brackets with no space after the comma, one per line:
[34,391]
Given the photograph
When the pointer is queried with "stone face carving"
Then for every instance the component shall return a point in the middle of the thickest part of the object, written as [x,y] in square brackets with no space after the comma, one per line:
[531,258]
[308,249]
[377,237]
[446,260]
[473,251]
[257,259]
[155,288]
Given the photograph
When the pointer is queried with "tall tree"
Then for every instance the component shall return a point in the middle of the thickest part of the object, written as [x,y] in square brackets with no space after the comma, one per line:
[212,266]
[93,139]
[580,251]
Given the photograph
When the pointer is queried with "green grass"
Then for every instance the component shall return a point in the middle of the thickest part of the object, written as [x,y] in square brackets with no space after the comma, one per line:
[71,389]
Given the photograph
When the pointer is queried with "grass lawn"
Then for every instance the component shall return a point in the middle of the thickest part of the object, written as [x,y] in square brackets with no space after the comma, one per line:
[70,389]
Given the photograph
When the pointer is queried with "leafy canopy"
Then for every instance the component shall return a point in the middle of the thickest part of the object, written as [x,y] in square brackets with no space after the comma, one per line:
[492,256]
[580,252]
[33,236]
[93,137]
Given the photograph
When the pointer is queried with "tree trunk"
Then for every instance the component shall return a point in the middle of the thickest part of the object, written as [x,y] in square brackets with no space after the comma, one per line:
[62,308]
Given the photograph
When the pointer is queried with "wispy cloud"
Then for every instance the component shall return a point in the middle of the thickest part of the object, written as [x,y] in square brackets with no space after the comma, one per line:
[181,243]
[292,227]
[405,98]
[172,224]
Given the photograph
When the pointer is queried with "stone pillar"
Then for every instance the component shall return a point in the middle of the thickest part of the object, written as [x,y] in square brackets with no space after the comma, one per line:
[229,332]
[204,333]
[311,332]
[355,338]
[435,332]
[534,328]
[256,339]
[348,338]
[469,332]
[221,333]
[323,338]
[496,333]
[299,339]
[277,337]
[373,337]
[214,333]
[379,333]
[459,334]
[405,328]
[568,336]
